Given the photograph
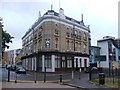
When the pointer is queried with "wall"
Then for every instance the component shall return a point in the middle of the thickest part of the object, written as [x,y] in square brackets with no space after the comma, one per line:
[104,51]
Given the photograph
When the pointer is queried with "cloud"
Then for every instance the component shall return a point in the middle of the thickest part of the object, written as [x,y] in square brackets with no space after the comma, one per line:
[101,15]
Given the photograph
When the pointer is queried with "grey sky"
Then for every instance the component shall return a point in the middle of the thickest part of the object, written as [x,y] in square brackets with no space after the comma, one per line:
[101,15]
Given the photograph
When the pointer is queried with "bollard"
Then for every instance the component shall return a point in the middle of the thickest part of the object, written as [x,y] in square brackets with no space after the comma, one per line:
[72,74]
[45,75]
[90,74]
[79,73]
[8,74]
[35,79]
[60,78]
[15,75]
[15,78]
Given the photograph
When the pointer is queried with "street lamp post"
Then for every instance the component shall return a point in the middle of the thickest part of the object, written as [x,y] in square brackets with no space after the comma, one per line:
[112,66]
[35,69]
[113,72]
[74,35]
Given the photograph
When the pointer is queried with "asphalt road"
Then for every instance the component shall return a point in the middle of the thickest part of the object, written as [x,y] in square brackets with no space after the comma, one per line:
[30,76]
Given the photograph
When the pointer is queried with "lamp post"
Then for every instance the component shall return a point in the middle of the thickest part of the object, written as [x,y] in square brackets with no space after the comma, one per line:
[44,70]
[112,66]
[74,35]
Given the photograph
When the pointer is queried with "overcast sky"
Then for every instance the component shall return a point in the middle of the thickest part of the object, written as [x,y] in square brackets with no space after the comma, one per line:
[101,15]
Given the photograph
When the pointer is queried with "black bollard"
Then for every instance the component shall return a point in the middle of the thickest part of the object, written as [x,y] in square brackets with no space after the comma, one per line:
[8,75]
[60,78]
[44,74]
[35,78]
[15,75]
[90,74]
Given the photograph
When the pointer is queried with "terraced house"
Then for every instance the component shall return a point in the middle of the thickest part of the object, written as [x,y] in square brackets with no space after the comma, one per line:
[57,42]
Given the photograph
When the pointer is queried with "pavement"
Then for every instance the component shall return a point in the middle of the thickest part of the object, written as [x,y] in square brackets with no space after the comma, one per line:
[33,85]
[83,83]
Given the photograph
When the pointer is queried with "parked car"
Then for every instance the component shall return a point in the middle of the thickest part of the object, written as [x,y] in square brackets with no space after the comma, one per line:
[20,70]
[93,69]
[2,65]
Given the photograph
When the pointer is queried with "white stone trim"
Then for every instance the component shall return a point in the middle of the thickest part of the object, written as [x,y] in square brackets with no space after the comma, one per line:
[82,61]
[43,64]
[32,64]
[53,63]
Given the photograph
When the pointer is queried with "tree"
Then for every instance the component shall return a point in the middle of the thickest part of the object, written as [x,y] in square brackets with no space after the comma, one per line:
[6,38]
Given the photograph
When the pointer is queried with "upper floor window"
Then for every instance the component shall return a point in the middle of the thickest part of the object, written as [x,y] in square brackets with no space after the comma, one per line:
[40,27]
[56,24]
[68,34]
[85,47]
[56,43]
[56,31]
[85,37]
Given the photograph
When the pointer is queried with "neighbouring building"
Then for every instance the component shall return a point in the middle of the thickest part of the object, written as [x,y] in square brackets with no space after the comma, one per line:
[107,51]
[118,50]
[10,56]
[95,54]
[57,42]
[5,58]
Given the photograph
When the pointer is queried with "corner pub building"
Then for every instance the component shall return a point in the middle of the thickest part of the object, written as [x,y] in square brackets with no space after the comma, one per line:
[57,42]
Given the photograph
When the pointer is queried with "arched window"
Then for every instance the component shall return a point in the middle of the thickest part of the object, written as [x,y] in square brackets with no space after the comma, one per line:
[84,47]
[72,45]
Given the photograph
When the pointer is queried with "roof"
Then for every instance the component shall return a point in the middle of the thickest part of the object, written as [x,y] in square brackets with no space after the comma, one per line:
[57,15]
[95,47]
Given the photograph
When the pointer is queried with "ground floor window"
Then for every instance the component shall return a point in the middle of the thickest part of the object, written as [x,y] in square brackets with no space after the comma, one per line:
[48,62]
[63,64]
[57,61]
[69,62]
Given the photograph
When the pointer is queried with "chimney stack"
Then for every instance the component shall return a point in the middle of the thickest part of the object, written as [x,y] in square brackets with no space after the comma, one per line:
[61,13]
[82,17]
[39,16]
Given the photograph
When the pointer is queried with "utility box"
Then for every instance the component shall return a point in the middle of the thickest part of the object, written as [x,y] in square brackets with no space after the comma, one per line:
[101,78]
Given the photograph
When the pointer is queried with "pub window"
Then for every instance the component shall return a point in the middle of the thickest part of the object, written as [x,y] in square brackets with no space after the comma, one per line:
[69,62]
[63,64]
[48,62]
[57,61]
